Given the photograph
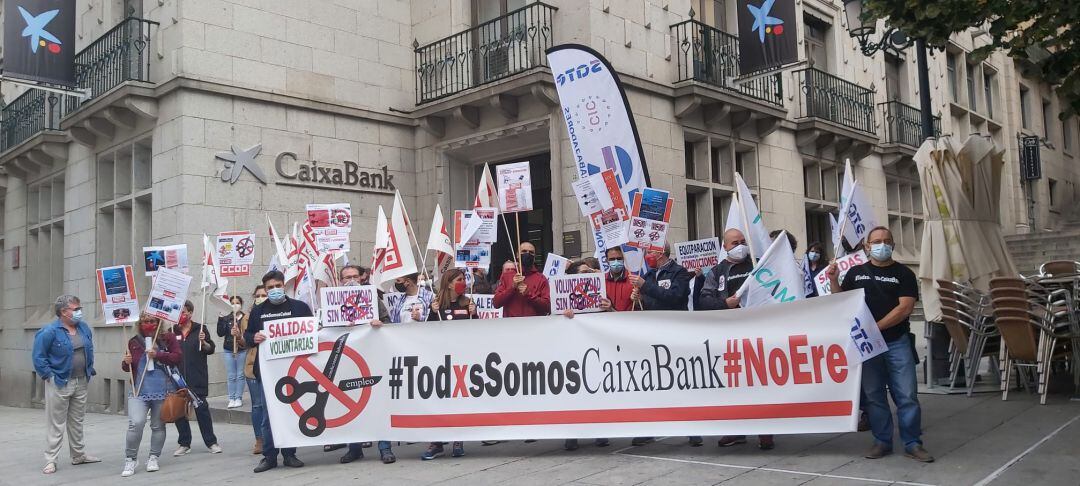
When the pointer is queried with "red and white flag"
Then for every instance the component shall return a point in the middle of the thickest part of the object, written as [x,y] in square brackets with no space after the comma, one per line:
[382,239]
[212,281]
[398,258]
[487,195]
[439,241]
[281,260]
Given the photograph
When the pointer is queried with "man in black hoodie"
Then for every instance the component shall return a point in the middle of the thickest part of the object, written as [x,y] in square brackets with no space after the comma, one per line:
[196,345]
[277,306]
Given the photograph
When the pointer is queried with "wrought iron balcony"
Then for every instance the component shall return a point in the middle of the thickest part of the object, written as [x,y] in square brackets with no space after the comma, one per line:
[834,99]
[711,56]
[31,113]
[493,50]
[903,123]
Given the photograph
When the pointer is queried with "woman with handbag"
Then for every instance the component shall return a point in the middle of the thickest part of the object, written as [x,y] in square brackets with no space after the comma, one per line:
[230,326]
[148,354]
[196,345]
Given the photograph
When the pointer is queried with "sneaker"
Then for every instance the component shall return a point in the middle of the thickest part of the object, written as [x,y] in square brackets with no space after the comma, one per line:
[151,464]
[84,459]
[232,404]
[765,443]
[129,468]
[292,461]
[434,450]
[215,449]
[864,422]
[458,450]
[49,468]
[182,450]
[602,442]
[640,441]
[265,465]
[695,441]
[919,454]
[570,445]
[730,440]
[387,457]
[239,402]
[878,451]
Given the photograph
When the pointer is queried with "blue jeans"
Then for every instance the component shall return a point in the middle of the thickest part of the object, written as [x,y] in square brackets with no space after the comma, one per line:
[269,451]
[258,406]
[234,372]
[894,369]
[384,446]
[137,412]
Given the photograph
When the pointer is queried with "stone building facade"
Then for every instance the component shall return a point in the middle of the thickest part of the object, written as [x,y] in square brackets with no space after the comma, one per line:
[421,94]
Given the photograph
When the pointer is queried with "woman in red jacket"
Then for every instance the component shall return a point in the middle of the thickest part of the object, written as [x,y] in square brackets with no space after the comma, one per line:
[148,354]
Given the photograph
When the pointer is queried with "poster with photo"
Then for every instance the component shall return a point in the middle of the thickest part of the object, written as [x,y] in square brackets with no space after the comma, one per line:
[332,224]
[168,294]
[475,226]
[649,219]
[116,291]
[473,256]
[235,253]
[173,257]
[515,187]
[602,204]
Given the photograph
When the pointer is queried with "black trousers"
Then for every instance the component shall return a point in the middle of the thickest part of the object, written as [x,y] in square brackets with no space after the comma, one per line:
[206,425]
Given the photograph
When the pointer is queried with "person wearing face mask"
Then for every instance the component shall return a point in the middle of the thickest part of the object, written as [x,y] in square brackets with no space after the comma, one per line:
[890,290]
[195,345]
[151,384]
[64,359]
[726,277]
[816,262]
[277,306]
[415,305]
[523,294]
[230,326]
[478,281]
[258,406]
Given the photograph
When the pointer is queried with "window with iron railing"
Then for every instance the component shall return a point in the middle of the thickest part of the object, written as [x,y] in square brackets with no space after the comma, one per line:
[837,100]
[903,123]
[31,113]
[711,56]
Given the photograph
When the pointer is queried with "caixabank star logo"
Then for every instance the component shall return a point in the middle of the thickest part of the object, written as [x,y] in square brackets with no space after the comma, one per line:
[36,30]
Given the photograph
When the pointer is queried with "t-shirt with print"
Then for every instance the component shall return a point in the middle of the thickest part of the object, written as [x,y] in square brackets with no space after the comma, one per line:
[410,302]
[883,287]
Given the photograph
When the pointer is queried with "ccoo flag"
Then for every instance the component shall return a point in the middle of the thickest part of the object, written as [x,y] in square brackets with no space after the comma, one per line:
[776,279]
[768,35]
[39,41]
[601,128]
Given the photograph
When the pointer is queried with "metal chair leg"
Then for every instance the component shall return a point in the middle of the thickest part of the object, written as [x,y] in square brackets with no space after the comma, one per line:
[1005,381]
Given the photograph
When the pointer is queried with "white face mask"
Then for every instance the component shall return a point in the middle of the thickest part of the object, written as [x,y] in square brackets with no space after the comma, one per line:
[236,307]
[738,253]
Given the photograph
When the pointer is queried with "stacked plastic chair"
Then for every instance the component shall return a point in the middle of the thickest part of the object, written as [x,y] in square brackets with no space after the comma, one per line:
[967,316]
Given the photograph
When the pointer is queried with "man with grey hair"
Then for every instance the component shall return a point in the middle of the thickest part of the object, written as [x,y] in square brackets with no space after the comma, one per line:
[64,359]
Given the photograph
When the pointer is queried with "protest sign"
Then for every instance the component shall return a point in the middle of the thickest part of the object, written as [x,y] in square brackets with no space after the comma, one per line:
[489,230]
[168,294]
[602,204]
[331,224]
[473,256]
[555,265]
[292,336]
[730,372]
[235,253]
[475,226]
[649,219]
[485,306]
[843,264]
[580,292]
[173,257]
[390,299]
[515,187]
[116,291]
[698,254]
[347,306]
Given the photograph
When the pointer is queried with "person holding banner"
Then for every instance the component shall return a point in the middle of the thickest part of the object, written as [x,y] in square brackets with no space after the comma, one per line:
[147,355]
[450,304]
[523,294]
[815,263]
[277,306]
[258,405]
[726,277]
[416,305]
[891,290]
[64,359]
[230,327]
[195,345]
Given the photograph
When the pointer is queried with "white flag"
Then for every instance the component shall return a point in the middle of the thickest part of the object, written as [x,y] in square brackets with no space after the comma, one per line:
[212,281]
[744,216]
[439,241]
[281,259]
[866,338]
[382,239]
[859,213]
[487,195]
[398,260]
[776,278]
[834,230]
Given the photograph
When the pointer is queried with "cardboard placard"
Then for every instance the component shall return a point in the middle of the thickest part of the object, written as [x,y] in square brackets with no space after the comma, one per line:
[116,291]
[235,253]
[843,264]
[332,224]
[168,294]
[515,187]
[173,257]
[580,292]
[348,306]
[292,336]
[698,254]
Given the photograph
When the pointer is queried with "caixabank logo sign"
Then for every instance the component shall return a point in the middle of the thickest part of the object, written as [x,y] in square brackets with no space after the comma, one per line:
[349,176]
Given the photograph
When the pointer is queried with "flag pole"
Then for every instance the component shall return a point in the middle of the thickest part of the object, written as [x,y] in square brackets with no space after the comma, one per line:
[142,377]
[844,219]
[131,366]
[203,313]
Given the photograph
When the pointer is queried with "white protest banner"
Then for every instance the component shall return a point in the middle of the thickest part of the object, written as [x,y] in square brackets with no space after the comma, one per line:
[332,224]
[173,257]
[581,292]
[235,253]
[555,265]
[485,306]
[116,292]
[347,306]
[843,264]
[473,256]
[698,254]
[390,299]
[649,219]
[730,372]
[292,336]
[515,187]
[168,294]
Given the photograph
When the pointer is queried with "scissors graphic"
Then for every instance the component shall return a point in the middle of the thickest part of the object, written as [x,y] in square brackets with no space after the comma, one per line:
[313,420]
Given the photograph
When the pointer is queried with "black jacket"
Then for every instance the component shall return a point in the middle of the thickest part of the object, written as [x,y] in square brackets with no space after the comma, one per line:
[193,365]
[666,288]
[269,311]
[719,285]
[224,325]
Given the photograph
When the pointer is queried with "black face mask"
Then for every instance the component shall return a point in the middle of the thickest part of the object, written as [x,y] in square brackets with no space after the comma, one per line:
[527,260]
[400,287]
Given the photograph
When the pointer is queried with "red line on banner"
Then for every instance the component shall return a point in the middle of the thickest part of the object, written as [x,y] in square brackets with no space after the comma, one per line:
[671,414]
